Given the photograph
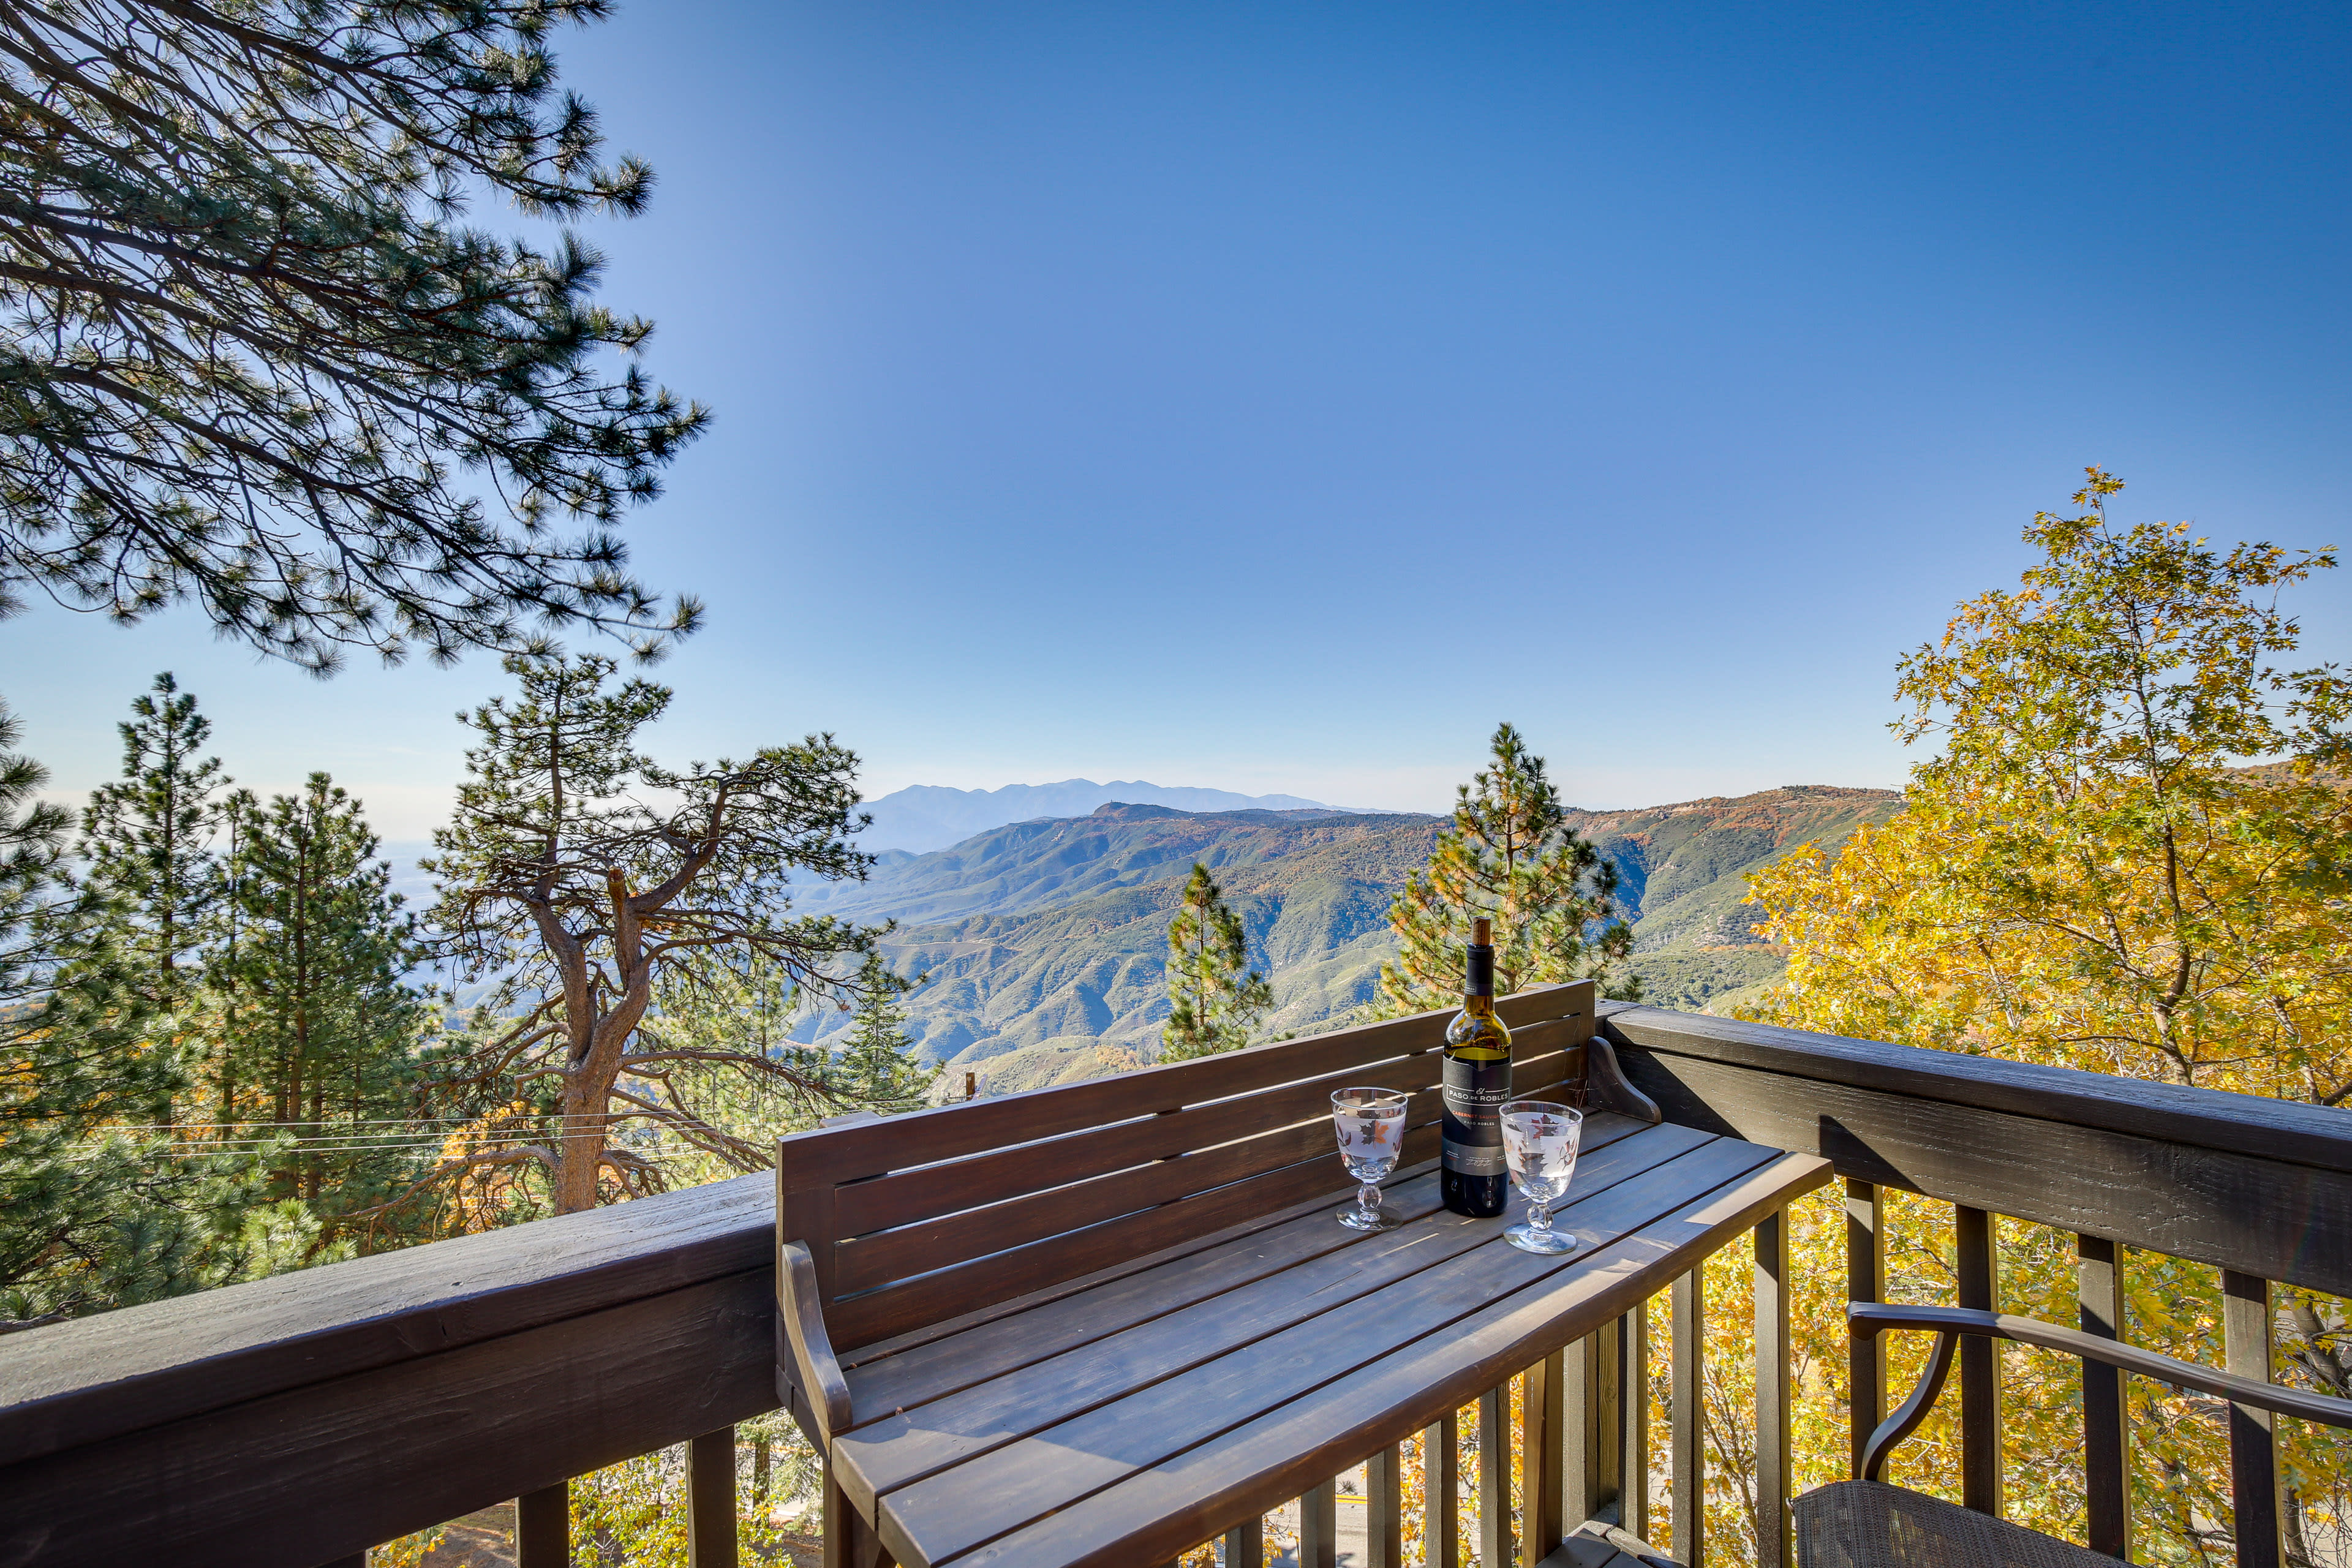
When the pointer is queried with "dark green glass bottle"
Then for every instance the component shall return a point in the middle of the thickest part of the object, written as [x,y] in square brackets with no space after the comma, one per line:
[1475,1180]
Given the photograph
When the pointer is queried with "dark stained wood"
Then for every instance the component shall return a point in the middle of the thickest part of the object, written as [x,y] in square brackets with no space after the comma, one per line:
[2238,1211]
[1594,1423]
[2106,1413]
[83,1382]
[1107,1400]
[1689,1419]
[543,1527]
[1913,1410]
[947,1187]
[2261,1128]
[2246,1331]
[1540,1458]
[1244,1545]
[400,1447]
[1978,1282]
[1774,1540]
[1441,1503]
[979,1126]
[1384,1509]
[1865,1280]
[710,1499]
[2305,1404]
[1187,1496]
[1495,1474]
[801,1315]
[938,1367]
[1634,1412]
[1318,1526]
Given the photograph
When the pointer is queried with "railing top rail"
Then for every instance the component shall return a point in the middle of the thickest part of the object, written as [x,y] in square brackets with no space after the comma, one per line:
[79,1382]
[2278,1130]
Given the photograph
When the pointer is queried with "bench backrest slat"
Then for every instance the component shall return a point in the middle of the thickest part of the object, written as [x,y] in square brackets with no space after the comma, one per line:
[912,1219]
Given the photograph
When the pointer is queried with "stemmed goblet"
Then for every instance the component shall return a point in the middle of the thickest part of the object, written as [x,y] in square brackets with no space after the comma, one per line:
[1370,1125]
[1539,1141]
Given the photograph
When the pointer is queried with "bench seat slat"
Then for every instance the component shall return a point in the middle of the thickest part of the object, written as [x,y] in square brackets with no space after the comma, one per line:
[1153,1513]
[944,1364]
[904,1446]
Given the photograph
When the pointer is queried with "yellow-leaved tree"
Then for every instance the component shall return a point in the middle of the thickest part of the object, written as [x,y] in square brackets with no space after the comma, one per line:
[2132,854]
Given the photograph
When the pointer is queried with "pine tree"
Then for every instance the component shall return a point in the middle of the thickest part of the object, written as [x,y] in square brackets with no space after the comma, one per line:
[875,1068]
[326,1030]
[253,358]
[147,840]
[1214,996]
[1511,856]
[97,1208]
[577,870]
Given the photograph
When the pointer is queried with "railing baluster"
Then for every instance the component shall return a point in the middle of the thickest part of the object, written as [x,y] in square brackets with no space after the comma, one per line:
[1318,1527]
[1539,1460]
[1595,1422]
[1979,1279]
[1246,1544]
[1633,1439]
[1441,1493]
[543,1527]
[1865,1280]
[1772,1533]
[2106,1414]
[710,1499]
[2254,1441]
[1495,1477]
[1384,1509]
[1689,1419]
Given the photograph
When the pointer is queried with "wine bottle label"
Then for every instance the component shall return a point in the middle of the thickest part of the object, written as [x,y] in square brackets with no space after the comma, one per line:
[1474,1093]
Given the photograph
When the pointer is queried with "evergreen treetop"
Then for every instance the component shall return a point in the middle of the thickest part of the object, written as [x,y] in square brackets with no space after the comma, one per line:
[1214,996]
[1509,856]
[147,836]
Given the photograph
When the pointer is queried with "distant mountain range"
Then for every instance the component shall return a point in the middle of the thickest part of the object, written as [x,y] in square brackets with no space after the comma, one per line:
[1044,939]
[929,817]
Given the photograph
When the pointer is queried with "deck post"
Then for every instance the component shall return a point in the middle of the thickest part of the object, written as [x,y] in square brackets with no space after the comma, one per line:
[1689,1418]
[1318,1526]
[1495,1477]
[710,1499]
[543,1527]
[1976,1240]
[1384,1509]
[1592,1424]
[2106,1414]
[1633,1440]
[1773,1537]
[1865,1280]
[2246,1336]
[1542,1483]
[1441,1493]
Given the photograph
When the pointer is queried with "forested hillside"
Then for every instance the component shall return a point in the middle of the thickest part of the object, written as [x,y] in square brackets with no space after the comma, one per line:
[1044,940]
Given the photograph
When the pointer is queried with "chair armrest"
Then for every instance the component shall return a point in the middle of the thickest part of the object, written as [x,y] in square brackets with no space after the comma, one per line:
[801,1310]
[1950,1322]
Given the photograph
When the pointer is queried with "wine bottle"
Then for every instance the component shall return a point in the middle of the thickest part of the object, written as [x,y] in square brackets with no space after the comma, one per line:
[1477,1080]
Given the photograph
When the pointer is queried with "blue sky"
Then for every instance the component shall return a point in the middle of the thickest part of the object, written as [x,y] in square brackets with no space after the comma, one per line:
[1273,396]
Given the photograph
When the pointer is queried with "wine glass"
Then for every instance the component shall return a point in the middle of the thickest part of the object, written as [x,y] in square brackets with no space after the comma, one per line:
[1540,1141]
[1370,1125]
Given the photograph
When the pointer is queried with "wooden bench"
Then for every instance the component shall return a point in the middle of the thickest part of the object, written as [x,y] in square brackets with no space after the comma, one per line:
[962,1289]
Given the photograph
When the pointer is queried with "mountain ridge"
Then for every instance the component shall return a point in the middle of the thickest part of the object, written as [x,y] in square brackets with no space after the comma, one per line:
[923,817]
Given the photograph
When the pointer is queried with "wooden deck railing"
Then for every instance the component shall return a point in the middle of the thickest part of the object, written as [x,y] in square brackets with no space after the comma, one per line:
[300,1420]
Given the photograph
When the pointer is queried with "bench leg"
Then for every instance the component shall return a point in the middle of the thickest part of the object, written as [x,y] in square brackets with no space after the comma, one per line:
[849,1541]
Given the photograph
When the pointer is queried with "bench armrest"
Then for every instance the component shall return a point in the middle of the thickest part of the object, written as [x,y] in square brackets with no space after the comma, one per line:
[801,1313]
[1869,1318]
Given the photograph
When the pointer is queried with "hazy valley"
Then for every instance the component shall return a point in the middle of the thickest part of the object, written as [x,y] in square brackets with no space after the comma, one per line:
[1044,939]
